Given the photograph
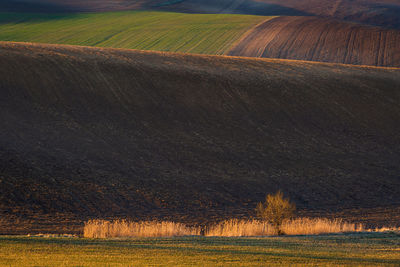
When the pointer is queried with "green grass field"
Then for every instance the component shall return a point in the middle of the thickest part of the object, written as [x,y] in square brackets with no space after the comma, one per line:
[161,31]
[374,249]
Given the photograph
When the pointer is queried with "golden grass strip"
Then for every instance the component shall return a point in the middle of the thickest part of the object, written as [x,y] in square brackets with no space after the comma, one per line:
[300,226]
[384,229]
[316,226]
[123,228]
[232,227]
[236,227]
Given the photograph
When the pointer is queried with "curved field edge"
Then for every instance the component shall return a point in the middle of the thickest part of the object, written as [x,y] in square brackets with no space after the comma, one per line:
[301,38]
[111,132]
[162,31]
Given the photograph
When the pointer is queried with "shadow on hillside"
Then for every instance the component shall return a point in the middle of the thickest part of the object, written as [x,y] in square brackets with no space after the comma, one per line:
[50,10]
[259,8]
[14,11]
[248,7]
[383,15]
[11,17]
[17,11]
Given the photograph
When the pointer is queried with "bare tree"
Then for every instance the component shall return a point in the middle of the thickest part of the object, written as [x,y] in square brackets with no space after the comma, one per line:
[275,210]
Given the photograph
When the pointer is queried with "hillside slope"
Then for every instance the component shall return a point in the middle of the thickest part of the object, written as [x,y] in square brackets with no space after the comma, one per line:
[315,39]
[304,38]
[106,132]
[375,12]
[148,30]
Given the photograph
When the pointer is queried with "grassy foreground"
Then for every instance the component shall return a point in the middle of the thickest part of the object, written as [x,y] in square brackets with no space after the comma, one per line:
[161,31]
[355,250]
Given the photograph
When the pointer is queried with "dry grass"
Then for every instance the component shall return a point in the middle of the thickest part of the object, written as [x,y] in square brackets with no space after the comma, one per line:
[123,228]
[233,227]
[236,227]
[300,226]
[307,226]
[385,229]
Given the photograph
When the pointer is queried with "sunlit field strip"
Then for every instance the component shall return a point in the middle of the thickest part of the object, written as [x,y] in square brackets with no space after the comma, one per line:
[228,228]
[365,249]
[161,31]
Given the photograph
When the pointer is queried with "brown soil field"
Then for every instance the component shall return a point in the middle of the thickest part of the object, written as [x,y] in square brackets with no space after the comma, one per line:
[374,12]
[325,40]
[105,133]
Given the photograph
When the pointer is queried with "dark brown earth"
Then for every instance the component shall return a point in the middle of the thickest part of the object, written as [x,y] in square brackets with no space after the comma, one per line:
[90,132]
[375,12]
[325,40]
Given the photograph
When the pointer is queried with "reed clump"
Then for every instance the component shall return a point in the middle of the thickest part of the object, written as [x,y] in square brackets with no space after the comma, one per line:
[227,228]
[124,228]
[316,226]
[299,226]
[235,227]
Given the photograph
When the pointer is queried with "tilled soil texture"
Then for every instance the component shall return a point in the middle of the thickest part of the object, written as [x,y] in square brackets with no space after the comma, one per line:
[374,12]
[325,40]
[97,132]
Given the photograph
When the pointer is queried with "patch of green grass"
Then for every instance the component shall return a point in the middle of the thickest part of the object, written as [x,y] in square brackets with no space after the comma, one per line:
[375,249]
[162,31]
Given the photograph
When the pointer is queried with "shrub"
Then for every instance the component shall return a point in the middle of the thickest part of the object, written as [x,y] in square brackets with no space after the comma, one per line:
[276,210]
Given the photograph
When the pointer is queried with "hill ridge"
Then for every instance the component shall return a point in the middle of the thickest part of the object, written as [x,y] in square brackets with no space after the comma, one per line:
[266,59]
[99,132]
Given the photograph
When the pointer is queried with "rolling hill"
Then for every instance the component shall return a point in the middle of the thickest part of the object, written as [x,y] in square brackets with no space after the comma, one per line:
[162,31]
[94,132]
[288,37]
[375,12]
[325,40]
